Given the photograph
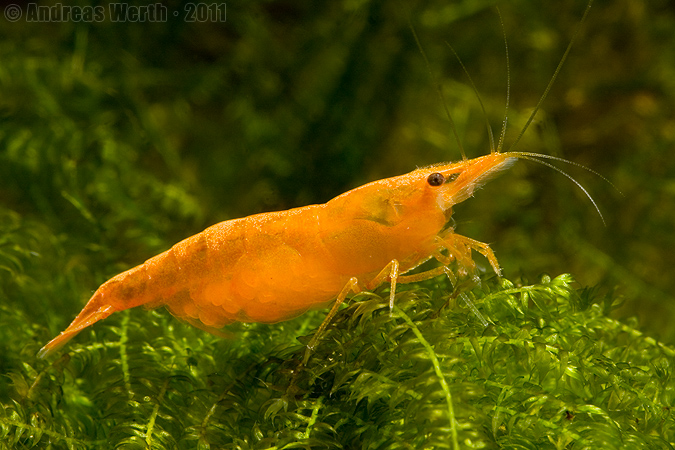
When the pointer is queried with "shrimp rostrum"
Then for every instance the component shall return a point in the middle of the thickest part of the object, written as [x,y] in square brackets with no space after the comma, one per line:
[275,266]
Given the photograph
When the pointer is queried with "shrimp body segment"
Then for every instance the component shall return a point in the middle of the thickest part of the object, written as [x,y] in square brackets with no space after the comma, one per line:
[275,266]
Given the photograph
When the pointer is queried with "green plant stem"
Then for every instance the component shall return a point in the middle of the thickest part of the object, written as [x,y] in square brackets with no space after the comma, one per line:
[439,373]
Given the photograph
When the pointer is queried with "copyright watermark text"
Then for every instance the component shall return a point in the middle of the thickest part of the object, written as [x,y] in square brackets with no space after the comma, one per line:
[116,12]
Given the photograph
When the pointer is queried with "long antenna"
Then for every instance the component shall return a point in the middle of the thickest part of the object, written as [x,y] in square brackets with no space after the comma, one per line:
[498,148]
[555,75]
[533,157]
[475,91]
[572,163]
[439,90]
[508,84]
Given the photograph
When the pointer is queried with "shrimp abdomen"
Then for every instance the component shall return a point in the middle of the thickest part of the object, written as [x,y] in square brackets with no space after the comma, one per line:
[161,280]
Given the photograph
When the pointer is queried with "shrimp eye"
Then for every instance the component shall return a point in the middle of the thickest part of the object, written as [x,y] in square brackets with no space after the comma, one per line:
[435,179]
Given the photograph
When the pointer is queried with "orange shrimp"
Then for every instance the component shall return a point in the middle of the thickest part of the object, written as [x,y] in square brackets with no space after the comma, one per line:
[275,266]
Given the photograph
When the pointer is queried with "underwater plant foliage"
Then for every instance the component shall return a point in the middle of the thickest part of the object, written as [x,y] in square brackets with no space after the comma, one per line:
[551,370]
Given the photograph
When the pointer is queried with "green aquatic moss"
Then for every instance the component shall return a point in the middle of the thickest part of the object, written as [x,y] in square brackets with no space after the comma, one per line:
[551,370]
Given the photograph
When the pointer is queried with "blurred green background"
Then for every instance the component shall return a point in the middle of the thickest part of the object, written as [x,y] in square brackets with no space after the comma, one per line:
[117,140]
